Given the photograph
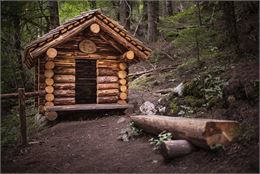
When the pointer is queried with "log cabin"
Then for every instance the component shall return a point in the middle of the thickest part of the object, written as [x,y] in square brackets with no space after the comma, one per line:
[83,64]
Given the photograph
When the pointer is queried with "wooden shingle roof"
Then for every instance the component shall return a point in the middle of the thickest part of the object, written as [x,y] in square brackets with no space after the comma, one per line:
[77,24]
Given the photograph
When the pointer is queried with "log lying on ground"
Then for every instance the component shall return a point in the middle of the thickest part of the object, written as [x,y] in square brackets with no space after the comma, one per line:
[205,133]
[175,148]
[107,86]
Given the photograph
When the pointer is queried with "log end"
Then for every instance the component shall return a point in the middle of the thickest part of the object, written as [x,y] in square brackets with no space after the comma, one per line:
[51,115]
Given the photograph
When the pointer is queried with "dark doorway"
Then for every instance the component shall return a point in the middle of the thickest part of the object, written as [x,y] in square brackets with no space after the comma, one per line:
[86,81]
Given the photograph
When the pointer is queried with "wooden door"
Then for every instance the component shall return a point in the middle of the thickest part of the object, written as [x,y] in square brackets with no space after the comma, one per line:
[86,81]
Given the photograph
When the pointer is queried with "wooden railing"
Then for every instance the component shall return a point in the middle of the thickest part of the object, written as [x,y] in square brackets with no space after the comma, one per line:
[22,95]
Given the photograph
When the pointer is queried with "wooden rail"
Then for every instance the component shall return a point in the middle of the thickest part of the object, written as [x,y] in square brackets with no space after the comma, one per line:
[21,94]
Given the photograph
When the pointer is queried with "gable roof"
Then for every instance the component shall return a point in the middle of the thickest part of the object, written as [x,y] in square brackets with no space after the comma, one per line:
[77,24]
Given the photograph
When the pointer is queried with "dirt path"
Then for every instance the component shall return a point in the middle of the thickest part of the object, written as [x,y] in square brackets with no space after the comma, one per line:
[92,146]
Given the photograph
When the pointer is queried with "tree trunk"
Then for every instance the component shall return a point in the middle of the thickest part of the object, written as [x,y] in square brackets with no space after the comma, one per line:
[17,46]
[54,14]
[125,13]
[198,12]
[152,20]
[205,133]
[175,148]
[168,9]
[230,23]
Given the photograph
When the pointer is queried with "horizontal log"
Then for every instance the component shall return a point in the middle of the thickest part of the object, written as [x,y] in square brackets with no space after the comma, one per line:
[64,71]
[110,99]
[128,55]
[108,86]
[106,72]
[205,133]
[64,101]
[107,79]
[122,102]
[64,93]
[64,79]
[64,86]
[107,92]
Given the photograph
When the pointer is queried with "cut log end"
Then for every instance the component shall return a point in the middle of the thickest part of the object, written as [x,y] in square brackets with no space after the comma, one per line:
[123,96]
[122,66]
[122,81]
[49,89]
[123,88]
[51,53]
[51,115]
[48,73]
[128,55]
[49,97]
[49,81]
[49,65]
[175,148]
[122,74]
[95,28]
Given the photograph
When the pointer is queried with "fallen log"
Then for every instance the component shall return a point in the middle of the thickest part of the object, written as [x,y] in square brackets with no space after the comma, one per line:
[175,148]
[151,71]
[205,133]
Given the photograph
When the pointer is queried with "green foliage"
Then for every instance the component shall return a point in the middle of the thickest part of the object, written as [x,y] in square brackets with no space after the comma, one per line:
[194,101]
[142,82]
[10,126]
[209,88]
[217,147]
[163,136]
[135,131]
[174,108]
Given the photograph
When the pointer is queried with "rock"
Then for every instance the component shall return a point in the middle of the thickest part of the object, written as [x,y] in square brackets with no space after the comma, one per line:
[121,120]
[179,89]
[148,108]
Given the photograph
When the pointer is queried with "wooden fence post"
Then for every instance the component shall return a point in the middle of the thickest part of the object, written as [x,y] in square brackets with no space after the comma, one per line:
[22,115]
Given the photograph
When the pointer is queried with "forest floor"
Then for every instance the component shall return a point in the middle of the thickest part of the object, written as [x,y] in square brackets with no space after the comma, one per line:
[92,145]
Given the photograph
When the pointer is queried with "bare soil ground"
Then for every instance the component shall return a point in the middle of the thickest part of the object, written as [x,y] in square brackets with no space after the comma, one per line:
[92,146]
